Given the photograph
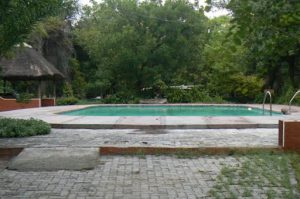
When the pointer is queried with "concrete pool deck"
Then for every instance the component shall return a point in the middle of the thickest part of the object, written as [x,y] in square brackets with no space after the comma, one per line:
[50,115]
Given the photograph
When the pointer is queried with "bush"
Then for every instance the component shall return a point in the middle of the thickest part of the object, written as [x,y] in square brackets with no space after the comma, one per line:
[178,96]
[121,98]
[78,82]
[191,95]
[93,90]
[67,90]
[246,88]
[24,98]
[239,88]
[89,101]
[21,128]
[67,101]
[286,95]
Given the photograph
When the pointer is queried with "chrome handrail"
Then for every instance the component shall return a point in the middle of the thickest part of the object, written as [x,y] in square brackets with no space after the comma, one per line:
[290,103]
[265,97]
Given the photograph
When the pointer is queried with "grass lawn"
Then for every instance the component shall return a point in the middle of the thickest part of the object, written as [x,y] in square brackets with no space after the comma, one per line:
[261,175]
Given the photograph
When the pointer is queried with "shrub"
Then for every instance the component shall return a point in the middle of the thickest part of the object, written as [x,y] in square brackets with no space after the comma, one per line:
[20,128]
[245,88]
[93,90]
[89,101]
[24,98]
[239,88]
[191,95]
[67,90]
[121,98]
[178,96]
[78,82]
[286,95]
[67,101]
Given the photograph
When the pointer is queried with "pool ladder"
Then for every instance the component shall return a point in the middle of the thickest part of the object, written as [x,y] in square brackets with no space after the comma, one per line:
[290,103]
[265,97]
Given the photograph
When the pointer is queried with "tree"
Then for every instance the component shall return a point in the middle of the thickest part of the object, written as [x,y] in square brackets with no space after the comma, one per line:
[137,44]
[226,64]
[17,18]
[270,30]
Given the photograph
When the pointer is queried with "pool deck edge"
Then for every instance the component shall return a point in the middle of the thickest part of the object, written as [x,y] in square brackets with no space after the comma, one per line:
[51,116]
[175,126]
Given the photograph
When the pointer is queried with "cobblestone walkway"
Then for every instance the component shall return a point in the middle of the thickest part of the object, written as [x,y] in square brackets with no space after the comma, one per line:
[155,177]
[162,138]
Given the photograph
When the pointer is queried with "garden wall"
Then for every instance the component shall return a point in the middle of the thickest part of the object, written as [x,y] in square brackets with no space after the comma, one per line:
[289,135]
[12,104]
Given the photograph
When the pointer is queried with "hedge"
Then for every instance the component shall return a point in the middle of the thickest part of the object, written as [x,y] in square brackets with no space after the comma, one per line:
[21,128]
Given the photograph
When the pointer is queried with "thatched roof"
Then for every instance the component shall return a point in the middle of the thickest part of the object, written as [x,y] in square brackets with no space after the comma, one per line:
[28,64]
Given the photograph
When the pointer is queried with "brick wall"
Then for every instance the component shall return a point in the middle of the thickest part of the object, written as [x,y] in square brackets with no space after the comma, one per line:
[12,104]
[48,102]
[289,135]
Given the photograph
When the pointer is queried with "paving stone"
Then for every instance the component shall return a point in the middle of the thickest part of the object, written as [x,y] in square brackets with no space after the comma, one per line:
[158,177]
[48,159]
[85,138]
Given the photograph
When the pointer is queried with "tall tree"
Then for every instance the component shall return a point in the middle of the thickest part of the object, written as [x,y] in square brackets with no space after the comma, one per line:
[17,18]
[271,31]
[226,64]
[137,44]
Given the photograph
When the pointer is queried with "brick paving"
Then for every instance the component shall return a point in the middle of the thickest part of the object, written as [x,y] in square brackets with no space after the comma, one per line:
[124,177]
[119,177]
[161,137]
[133,176]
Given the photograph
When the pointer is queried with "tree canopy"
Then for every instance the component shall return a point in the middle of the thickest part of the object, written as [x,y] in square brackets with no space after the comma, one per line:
[128,49]
[137,44]
[18,17]
[271,31]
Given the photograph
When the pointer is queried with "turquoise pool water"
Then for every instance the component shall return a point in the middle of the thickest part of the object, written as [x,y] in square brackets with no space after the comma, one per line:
[168,111]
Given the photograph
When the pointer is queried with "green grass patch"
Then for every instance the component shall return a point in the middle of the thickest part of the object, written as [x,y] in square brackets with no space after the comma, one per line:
[21,128]
[295,162]
[266,172]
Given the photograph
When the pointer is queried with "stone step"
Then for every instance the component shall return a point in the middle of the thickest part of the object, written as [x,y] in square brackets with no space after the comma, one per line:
[53,159]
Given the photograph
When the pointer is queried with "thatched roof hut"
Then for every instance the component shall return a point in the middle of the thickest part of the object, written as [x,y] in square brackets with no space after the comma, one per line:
[28,64]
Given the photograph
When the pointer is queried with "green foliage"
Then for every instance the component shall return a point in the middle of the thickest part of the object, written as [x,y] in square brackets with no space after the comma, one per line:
[67,90]
[190,95]
[18,17]
[264,171]
[21,128]
[142,48]
[24,97]
[121,98]
[295,162]
[46,26]
[90,101]
[226,63]
[137,44]
[68,96]
[245,88]
[238,87]
[93,90]
[67,100]
[287,93]
[78,82]
[178,96]
[270,30]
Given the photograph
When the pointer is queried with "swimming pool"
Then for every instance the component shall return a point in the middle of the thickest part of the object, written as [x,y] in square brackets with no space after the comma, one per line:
[165,110]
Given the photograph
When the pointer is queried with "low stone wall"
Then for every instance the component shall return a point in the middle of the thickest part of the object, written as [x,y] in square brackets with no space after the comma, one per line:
[12,104]
[289,135]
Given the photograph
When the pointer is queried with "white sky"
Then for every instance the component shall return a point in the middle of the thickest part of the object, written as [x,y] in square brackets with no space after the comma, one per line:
[211,14]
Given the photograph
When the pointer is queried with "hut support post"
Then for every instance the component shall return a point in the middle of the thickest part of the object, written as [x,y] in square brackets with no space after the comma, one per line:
[40,93]
[4,86]
[54,92]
